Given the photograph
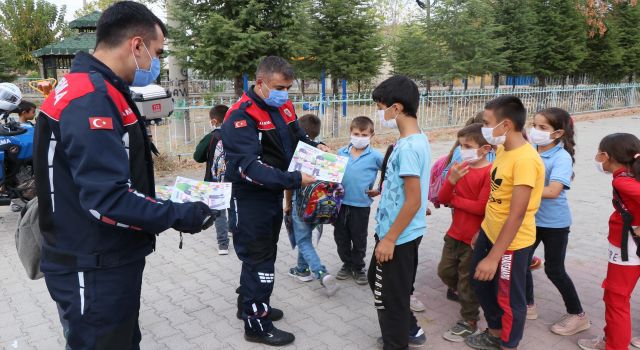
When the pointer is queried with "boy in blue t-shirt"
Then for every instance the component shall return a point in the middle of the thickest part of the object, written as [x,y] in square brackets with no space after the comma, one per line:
[351,227]
[400,216]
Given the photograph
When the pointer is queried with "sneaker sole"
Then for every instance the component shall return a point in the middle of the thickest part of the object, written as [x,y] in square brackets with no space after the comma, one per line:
[478,347]
[417,309]
[261,340]
[453,337]
[330,285]
[362,283]
[576,331]
[223,252]
[302,278]
[532,317]
[342,278]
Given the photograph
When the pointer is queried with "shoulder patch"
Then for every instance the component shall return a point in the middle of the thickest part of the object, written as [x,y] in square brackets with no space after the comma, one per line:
[69,88]
[240,124]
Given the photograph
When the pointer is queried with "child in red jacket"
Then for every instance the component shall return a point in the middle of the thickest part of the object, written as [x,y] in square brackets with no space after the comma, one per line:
[467,192]
[619,154]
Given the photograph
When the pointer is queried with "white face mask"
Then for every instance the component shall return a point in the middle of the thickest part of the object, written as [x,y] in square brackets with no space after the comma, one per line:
[390,124]
[469,155]
[494,140]
[540,138]
[600,167]
[360,142]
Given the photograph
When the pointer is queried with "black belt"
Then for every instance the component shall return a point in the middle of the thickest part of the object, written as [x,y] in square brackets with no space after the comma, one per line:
[84,261]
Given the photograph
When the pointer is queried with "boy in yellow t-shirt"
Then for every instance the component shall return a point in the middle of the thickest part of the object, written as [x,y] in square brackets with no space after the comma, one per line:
[501,252]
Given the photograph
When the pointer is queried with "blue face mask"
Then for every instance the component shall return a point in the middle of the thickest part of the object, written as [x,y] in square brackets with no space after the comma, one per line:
[276,98]
[144,77]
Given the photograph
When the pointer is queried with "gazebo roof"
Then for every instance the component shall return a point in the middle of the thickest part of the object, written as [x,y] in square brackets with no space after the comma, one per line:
[87,21]
[69,46]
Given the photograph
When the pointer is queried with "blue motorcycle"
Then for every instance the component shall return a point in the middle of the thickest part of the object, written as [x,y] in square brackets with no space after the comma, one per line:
[17,180]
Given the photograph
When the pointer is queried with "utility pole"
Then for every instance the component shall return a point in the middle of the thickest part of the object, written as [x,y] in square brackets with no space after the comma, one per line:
[179,83]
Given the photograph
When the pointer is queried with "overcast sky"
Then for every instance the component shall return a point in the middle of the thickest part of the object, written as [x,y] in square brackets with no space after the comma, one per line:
[73,5]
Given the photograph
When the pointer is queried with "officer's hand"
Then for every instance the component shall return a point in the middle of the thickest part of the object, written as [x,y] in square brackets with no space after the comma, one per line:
[307,180]
[204,218]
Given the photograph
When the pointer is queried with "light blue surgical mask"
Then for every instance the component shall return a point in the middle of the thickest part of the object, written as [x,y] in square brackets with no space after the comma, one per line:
[276,98]
[144,77]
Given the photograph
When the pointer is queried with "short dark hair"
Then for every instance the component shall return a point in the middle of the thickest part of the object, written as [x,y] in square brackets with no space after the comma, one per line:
[125,19]
[362,123]
[508,107]
[275,64]
[218,112]
[473,132]
[25,106]
[398,89]
[310,123]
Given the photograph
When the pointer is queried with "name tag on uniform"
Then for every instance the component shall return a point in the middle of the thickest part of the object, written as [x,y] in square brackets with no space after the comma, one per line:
[615,254]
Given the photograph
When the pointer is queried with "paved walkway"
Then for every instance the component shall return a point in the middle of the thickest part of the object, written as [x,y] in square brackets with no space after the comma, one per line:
[188,297]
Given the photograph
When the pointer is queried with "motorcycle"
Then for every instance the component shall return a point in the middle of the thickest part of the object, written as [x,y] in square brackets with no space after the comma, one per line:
[17,180]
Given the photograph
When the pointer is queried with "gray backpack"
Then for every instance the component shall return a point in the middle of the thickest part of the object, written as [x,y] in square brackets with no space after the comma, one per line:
[29,240]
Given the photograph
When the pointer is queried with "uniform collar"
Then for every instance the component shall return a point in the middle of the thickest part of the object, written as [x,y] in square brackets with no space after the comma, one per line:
[554,150]
[85,63]
[258,100]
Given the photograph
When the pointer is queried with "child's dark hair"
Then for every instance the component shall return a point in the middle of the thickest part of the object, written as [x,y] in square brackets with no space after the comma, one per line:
[398,89]
[310,123]
[218,112]
[25,106]
[362,123]
[473,132]
[383,169]
[625,149]
[476,119]
[509,107]
[558,118]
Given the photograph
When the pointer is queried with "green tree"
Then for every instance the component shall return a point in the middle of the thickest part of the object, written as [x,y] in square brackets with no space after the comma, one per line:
[516,19]
[226,39]
[603,60]
[8,60]
[302,53]
[417,54]
[470,33]
[626,22]
[347,40]
[559,37]
[30,25]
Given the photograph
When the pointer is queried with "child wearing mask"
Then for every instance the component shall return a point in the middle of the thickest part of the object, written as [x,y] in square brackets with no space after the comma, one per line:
[351,227]
[619,155]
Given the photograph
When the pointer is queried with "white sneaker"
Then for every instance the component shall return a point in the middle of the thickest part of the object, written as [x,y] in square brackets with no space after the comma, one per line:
[329,283]
[635,342]
[532,312]
[415,304]
[571,324]
[593,344]
[223,250]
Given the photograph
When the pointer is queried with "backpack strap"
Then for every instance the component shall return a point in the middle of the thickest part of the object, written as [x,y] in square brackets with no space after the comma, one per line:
[627,220]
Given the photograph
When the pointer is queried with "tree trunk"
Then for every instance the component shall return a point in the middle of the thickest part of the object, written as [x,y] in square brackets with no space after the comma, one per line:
[542,80]
[428,85]
[238,85]
[482,81]
[466,83]
[359,85]
[496,81]
[302,87]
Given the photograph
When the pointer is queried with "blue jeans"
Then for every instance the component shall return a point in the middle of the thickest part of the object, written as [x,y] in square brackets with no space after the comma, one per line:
[307,256]
[222,229]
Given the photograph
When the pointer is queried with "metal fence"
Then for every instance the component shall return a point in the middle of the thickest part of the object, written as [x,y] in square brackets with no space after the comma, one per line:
[438,109]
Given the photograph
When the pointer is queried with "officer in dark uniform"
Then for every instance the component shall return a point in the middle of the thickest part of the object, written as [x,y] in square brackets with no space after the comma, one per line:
[95,183]
[260,134]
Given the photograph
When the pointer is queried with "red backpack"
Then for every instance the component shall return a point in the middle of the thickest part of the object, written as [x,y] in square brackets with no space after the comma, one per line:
[437,179]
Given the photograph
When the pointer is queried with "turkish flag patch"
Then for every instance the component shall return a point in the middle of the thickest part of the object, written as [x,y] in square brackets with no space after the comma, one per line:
[101,123]
[240,124]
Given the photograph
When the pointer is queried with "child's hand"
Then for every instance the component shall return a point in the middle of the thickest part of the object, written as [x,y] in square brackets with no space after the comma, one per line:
[324,148]
[428,211]
[372,193]
[384,250]
[486,269]
[637,231]
[307,180]
[287,209]
[457,172]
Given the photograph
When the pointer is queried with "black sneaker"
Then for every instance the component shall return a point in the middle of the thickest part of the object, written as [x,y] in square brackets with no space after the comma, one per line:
[274,314]
[275,337]
[344,273]
[483,341]
[452,295]
[414,342]
[418,340]
[360,276]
